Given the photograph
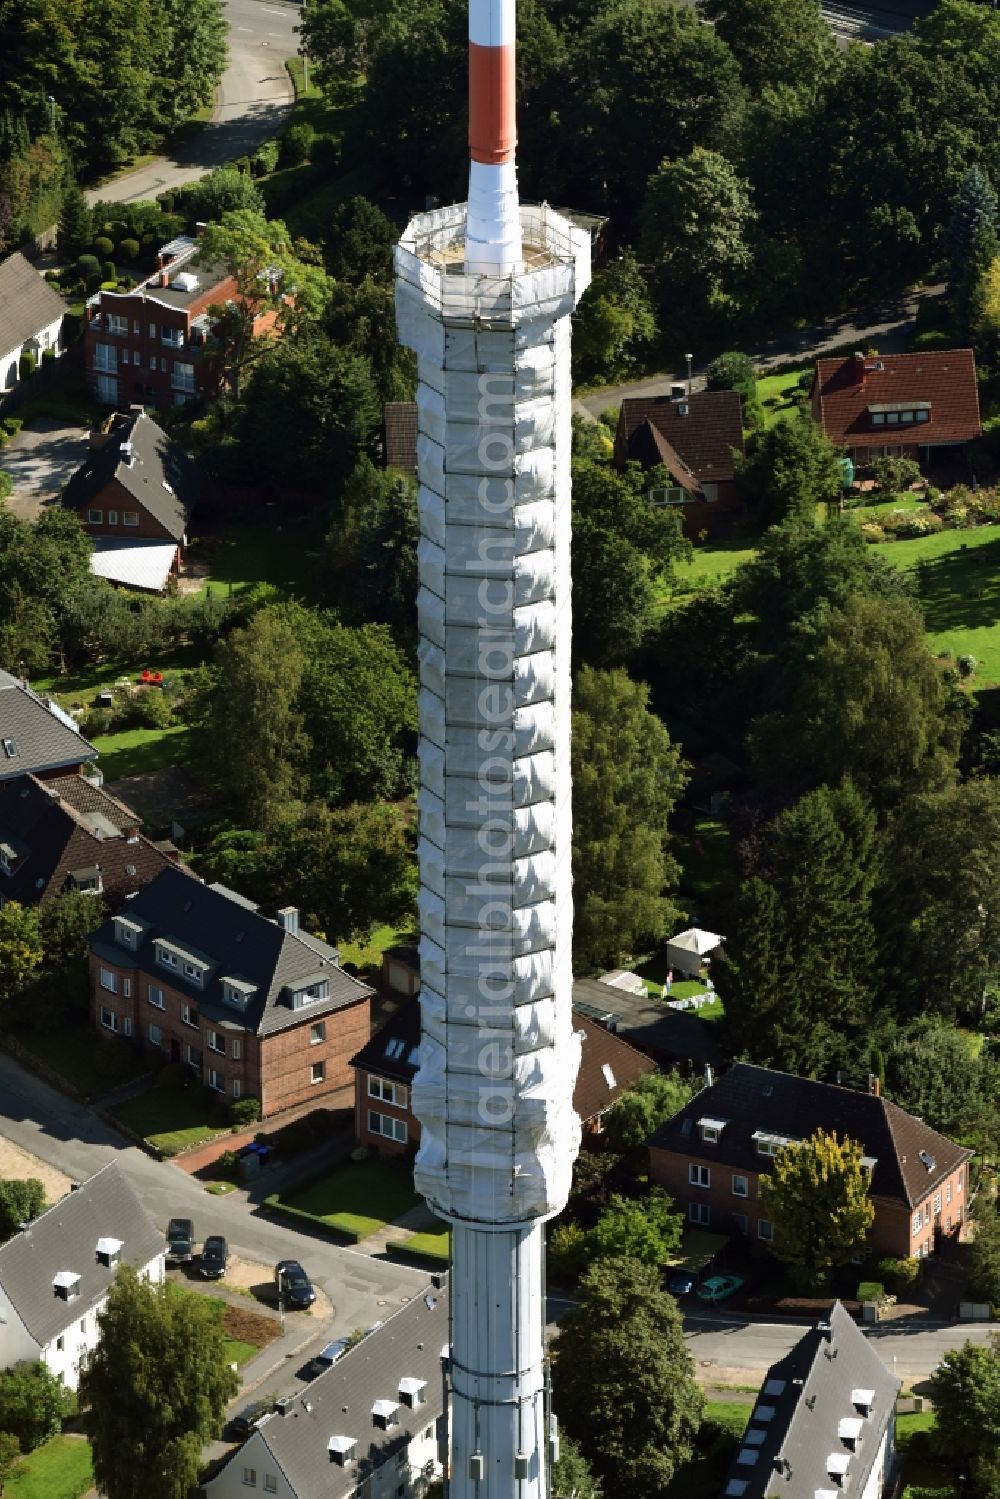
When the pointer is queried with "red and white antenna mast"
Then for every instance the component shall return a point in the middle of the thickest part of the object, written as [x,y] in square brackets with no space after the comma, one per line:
[493,236]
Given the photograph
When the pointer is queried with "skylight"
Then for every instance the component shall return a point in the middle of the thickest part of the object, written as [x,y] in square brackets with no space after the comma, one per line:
[774,1387]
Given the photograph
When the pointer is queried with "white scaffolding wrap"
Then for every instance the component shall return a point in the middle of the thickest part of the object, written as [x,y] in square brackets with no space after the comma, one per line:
[498,1052]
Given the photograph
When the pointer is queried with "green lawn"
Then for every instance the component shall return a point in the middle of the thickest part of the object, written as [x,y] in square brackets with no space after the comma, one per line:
[777,394]
[77,689]
[357,1199]
[131,752]
[171,1119]
[235,1351]
[59,1469]
[907,501]
[83,1058]
[731,1415]
[248,555]
[432,1246]
[369,954]
[713,560]
[958,576]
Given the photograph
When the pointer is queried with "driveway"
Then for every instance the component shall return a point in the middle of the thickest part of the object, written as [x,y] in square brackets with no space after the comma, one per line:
[251,103]
[41,460]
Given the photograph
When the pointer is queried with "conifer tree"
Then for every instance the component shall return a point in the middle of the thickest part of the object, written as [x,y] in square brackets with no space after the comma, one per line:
[75,224]
[973,245]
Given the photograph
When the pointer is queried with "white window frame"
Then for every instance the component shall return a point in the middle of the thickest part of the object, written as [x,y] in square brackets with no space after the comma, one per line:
[737,1177]
[109,1016]
[699,1175]
[187,1017]
[194,973]
[937,1202]
[127,1025]
[109,980]
[156,997]
[918,1221]
[314,1038]
[236,1049]
[152,330]
[318,1072]
[270,1483]
[385,1091]
[165,958]
[768,1236]
[155,1034]
[95,517]
[947,1193]
[237,1087]
[214,1043]
[250,1477]
[216,1080]
[388,1127]
[130,517]
[127,988]
[700,1213]
[112,517]
[117,324]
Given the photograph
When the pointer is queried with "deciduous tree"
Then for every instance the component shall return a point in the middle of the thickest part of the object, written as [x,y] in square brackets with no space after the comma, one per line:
[643,1107]
[965,1389]
[10,1457]
[21,1200]
[33,1402]
[817,1198]
[696,216]
[777,43]
[791,469]
[623,1380]
[571,1475]
[155,1389]
[21,953]
[631,1228]
[930,1071]
[627,776]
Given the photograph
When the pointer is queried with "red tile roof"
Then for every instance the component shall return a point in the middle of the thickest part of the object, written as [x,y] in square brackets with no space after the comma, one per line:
[844,389]
[703,439]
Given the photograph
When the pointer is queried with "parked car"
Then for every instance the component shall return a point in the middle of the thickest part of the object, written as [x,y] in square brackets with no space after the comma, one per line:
[214,1257]
[250,1416]
[682,1282]
[328,1356]
[292,1280]
[180,1241]
[718,1287]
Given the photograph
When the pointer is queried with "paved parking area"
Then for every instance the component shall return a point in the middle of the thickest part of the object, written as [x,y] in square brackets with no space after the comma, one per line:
[40,460]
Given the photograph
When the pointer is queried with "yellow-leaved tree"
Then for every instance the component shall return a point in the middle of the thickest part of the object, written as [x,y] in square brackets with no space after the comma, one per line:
[817,1198]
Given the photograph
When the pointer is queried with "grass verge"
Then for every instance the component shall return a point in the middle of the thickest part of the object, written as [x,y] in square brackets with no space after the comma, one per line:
[777,395]
[369,954]
[431,1246]
[83,1058]
[171,1119]
[133,752]
[59,1469]
[355,1200]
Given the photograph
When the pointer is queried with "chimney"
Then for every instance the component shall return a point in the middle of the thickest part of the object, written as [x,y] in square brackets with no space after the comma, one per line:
[874,1086]
[678,390]
[709,1078]
[288,918]
[858,367]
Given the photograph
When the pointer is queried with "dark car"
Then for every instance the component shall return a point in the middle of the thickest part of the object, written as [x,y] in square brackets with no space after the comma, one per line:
[250,1416]
[328,1356]
[214,1257]
[180,1241]
[291,1280]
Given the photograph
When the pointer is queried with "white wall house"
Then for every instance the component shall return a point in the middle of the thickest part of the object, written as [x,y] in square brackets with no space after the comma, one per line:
[31,317]
[56,1273]
[371,1424]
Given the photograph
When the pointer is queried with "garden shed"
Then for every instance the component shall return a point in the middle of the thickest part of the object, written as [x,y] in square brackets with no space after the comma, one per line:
[688,950]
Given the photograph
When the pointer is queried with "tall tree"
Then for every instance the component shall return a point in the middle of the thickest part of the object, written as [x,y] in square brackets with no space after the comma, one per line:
[571,1475]
[938,906]
[33,1402]
[623,1380]
[643,1107]
[696,216]
[195,56]
[21,1201]
[615,324]
[627,776]
[777,43]
[75,224]
[21,954]
[965,1389]
[648,1229]
[371,549]
[930,1071]
[804,919]
[817,1198]
[973,245]
[155,1389]
[791,469]
[253,739]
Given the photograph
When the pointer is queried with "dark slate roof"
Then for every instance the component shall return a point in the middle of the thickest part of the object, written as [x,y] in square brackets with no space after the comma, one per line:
[703,440]
[400,423]
[160,477]
[393,1052]
[668,1035]
[752,1098]
[44,737]
[808,1393]
[67,824]
[27,302]
[65,1238]
[238,943]
[844,389]
[340,1402]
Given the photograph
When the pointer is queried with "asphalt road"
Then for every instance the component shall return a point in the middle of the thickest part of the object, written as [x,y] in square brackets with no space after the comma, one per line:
[254,96]
[363,1290]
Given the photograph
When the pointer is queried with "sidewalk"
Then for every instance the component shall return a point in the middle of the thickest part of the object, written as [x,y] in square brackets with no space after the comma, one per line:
[417,1220]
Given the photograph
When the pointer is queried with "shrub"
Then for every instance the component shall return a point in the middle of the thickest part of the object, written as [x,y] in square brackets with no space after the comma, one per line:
[893,474]
[113,1060]
[103,247]
[567,1254]
[96,721]
[12,425]
[128,250]
[325,153]
[900,1275]
[297,144]
[244,1110]
[48,356]
[227,1161]
[26,365]
[265,158]
[905,524]
[967,666]
[871,1290]
[108,271]
[872,532]
[153,709]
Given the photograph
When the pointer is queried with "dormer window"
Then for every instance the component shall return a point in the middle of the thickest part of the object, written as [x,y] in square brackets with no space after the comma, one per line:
[769,1144]
[66,1283]
[87,880]
[711,1129]
[868,1164]
[8,857]
[308,992]
[341,1450]
[863,1400]
[109,1252]
[189,964]
[412,1392]
[237,992]
[837,1465]
[849,1431]
[128,932]
[385,1413]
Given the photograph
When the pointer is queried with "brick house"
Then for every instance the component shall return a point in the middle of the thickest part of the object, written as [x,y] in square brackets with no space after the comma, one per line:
[710,1156]
[384,1070]
[36,735]
[134,495]
[824,1421]
[922,406]
[148,344]
[67,833]
[696,439]
[257,1008]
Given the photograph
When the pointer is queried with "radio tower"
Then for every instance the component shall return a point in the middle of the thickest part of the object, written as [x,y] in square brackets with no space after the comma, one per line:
[484,293]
